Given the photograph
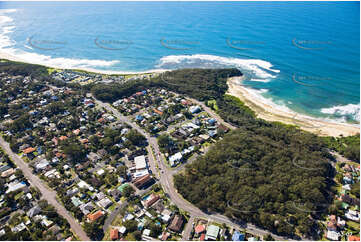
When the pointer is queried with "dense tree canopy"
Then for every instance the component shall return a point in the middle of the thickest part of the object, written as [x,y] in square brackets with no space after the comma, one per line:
[264,177]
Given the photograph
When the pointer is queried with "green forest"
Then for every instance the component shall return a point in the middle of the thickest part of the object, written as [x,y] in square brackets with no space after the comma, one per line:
[274,177]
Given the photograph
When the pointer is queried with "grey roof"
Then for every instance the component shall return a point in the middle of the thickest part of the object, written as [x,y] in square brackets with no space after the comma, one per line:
[34,211]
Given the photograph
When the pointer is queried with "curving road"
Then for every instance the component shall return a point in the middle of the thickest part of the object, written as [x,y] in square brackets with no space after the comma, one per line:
[165,176]
[47,193]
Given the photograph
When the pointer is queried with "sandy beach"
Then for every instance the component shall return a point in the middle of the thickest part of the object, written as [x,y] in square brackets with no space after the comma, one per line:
[4,55]
[272,113]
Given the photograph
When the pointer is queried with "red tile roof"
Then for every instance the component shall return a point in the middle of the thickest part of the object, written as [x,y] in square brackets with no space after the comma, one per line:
[63,138]
[353,238]
[200,228]
[153,198]
[29,150]
[157,111]
[94,216]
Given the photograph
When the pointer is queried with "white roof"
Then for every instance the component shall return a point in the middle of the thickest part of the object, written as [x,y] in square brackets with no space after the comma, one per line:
[49,173]
[15,186]
[42,164]
[83,184]
[332,235]
[140,162]
[176,157]
[146,232]
[122,229]
[140,173]
[100,172]
[165,217]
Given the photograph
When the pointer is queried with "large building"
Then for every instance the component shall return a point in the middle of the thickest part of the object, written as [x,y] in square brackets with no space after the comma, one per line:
[140,163]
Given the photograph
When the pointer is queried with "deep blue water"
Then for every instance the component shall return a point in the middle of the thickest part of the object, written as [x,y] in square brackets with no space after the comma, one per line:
[304,56]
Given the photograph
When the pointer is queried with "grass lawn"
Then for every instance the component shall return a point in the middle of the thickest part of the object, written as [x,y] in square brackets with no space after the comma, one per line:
[117,221]
[111,208]
[107,235]
[353,225]
[129,237]
[213,104]
[17,196]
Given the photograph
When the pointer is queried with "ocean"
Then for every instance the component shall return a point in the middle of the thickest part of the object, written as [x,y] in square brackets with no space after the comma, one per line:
[299,56]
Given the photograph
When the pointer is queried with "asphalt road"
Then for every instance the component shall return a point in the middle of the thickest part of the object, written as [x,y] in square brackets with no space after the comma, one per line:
[165,175]
[47,193]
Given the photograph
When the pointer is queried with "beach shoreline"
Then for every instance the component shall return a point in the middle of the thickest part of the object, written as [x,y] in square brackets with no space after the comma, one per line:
[7,56]
[270,112]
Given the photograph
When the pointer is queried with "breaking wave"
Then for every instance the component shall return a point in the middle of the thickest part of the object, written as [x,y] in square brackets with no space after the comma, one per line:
[349,111]
[260,70]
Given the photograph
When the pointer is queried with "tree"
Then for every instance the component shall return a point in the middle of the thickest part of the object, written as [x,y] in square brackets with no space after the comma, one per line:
[355,189]
[155,230]
[73,149]
[135,137]
[128,190]
[268,237]
[131,225]
[122,171]
[137,235]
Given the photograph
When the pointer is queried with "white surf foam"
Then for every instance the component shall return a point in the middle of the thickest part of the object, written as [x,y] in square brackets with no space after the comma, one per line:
[260,69]
[352,110]
[59,62]
[10,10]
[279,104]
[5,19]
[260,80]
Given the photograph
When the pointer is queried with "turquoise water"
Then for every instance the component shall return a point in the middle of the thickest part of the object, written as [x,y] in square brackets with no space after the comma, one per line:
[301,56]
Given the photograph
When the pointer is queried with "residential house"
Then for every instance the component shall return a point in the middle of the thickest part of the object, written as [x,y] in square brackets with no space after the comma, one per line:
[212,232]
[150,200]
[143,181]
[332,235]
[237,236]
[176,224]
[94,216]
